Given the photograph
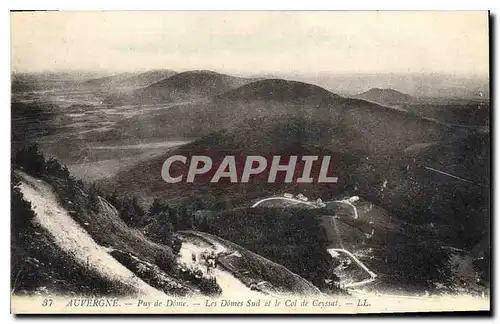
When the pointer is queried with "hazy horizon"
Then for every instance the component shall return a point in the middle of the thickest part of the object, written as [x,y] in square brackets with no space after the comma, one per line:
[248,74]
[253,43]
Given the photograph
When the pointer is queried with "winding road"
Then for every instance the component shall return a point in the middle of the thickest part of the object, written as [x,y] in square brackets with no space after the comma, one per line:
[372,274]
[298,201]
[348,202]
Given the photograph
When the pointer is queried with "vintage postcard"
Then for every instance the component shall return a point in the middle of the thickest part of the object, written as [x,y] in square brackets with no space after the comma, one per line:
[322,162]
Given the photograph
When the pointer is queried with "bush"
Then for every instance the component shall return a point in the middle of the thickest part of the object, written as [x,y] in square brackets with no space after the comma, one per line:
[20,210]
[130,211]
[53,167]
[31,160]
[164,262]
[160,227]
[207,286]
[154,275]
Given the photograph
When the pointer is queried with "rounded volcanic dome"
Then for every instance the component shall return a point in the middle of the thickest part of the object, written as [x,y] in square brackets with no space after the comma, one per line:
[280,90]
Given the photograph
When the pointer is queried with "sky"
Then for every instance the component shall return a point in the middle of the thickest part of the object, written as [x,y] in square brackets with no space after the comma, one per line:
[454,42]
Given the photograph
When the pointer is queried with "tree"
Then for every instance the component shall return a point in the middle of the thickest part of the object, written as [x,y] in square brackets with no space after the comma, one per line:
[138,210]
[31,160]
[20,211]
[114,200]
[94,198]
[53,167]
[185,219]
[159,205]
[203,226]
[131,212]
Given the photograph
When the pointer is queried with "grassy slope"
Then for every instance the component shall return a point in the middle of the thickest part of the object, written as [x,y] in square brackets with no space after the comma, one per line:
[387,97]
[106,227]
[107,82]
[146,79]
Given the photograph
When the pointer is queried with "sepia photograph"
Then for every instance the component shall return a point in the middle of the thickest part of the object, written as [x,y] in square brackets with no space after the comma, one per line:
[250,162]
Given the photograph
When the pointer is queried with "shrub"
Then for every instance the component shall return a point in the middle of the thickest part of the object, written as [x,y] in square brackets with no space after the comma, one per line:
[20,210]
[207,286]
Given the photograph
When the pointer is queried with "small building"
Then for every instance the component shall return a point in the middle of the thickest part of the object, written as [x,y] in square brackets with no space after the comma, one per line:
[302,197]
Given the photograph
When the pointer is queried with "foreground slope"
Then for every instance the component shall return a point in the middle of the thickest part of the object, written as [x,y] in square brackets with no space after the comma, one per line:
[71,238]
[92,238]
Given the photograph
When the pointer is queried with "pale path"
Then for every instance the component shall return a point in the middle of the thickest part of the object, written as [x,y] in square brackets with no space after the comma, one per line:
[448,174]
[231,286]
[372,275]
[284,198]
[73,239]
